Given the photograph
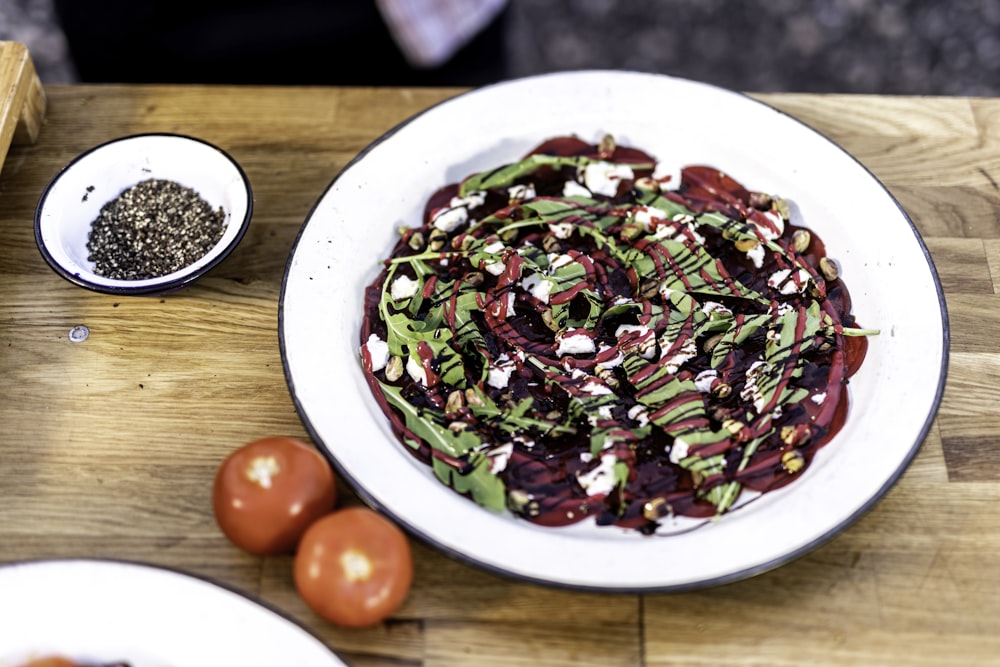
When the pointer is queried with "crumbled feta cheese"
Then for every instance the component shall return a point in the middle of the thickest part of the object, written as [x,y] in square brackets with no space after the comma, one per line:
[450,219]
[574,189]
[751,392]
[646,215]
[495,267]
[403,288]
[603,178]
[471,199]
[378,352]
[678,451]
[499,456]
[557,261]
[773,227]
[610,357]
[788,283]
[639,414]
[703,381]
[562,230]
[713,307]
[574,343]
[640,337]
[756,255]
[537,286]
[668,175]
[687,352]
[601,479]
[416,371]
[818,398]
[499,372]
[521,191]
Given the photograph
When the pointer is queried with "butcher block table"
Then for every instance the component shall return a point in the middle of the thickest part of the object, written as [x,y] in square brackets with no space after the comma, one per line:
[108,446]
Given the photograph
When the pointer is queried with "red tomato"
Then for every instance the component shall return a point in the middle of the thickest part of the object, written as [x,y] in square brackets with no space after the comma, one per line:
[268,491]
[353,567]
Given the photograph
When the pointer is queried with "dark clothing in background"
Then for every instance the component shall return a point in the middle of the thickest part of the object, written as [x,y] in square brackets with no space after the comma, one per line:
[296,42]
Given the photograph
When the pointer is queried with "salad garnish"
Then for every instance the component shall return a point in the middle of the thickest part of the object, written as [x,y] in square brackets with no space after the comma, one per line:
[584,333]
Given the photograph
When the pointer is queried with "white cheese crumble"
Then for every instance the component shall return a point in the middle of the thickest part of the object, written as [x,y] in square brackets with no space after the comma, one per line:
[601,479]
[787,283]
[774,227]
[561,230]
[603,178]
[403,288]
[499,372]
[494,266]
[639,414]
[678,451]
[646,215]
[756,255]
[687,352]
[521,191]
[574,189]
[667,175]
[449,219]
[574,343]
[537,286]
[416,371]
[378,352]
[751,392]
[644,342]
[818,398]
[499,456]
[703,381]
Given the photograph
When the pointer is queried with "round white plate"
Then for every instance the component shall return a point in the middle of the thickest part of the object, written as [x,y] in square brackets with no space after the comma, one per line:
[882,258]
[104,611]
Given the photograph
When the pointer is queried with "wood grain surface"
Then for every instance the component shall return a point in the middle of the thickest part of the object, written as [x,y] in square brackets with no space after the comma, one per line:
[108,447]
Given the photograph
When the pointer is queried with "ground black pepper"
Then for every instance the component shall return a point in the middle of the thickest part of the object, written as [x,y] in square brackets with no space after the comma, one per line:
[151,229]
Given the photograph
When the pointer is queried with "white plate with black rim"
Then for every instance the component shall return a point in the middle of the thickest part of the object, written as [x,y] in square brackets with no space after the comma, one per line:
[97,611]
[882,258]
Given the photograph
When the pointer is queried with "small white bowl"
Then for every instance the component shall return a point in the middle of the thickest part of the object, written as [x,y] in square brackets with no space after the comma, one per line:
[74,198]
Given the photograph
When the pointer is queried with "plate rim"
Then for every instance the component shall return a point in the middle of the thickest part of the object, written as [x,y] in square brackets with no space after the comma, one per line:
[736,575]
[212,583]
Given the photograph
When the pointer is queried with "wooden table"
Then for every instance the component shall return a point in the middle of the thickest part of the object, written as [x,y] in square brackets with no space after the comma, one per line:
[108,447]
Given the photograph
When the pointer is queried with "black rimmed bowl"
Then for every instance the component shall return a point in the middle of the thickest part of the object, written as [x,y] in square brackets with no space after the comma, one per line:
[73,200]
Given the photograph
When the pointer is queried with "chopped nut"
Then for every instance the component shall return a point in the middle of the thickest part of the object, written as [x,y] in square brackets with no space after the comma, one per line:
[551,244]
[631,231]
[607,146]
[473,399]
[722,390]
[437,239]
[793,461]
[474,278]
[394,369]
[647,183]
[454,402]
[649,288]
[548,320]
[457,426]
[656,508]
[746,245]
[416,241]
[829,268]
[712,342]
[760,200]
[801,239]
[734,426]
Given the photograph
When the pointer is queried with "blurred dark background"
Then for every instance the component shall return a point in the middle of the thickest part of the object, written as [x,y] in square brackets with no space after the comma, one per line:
[923,47]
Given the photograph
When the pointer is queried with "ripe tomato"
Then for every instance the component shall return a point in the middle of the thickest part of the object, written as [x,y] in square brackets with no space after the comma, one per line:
[353,567]
[268,491]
